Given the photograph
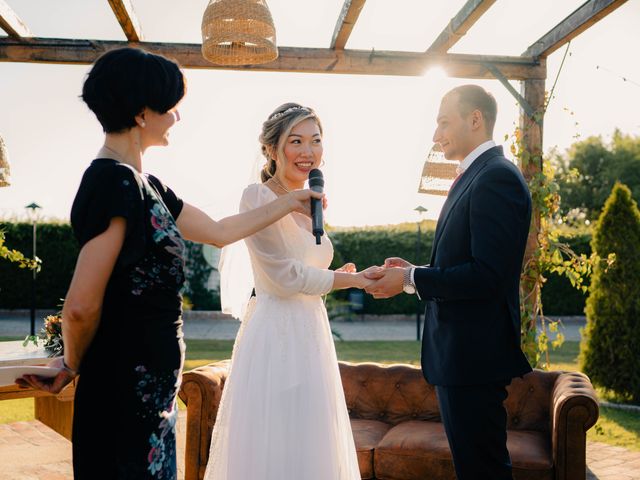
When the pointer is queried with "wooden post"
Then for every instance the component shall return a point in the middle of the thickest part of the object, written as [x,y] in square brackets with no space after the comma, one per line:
[531,165]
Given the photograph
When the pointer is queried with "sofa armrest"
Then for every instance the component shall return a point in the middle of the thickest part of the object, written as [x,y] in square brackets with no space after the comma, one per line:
[201,391]
[574,411]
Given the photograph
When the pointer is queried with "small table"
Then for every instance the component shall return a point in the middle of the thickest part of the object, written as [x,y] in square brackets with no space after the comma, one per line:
[55,411]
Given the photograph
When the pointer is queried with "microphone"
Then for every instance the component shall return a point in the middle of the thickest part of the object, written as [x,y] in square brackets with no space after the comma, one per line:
[316,183]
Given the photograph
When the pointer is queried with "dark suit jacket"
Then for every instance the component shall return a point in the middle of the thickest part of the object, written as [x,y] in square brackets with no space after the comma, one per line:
[471,286]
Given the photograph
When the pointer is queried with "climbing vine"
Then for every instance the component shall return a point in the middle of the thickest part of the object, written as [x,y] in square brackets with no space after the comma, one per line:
[548,255]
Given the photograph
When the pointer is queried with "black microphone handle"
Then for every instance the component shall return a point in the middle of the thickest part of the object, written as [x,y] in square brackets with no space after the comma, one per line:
[317,223]
[316,183]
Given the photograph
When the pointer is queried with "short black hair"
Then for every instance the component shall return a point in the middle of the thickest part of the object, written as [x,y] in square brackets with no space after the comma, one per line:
[474,97]
[122,82]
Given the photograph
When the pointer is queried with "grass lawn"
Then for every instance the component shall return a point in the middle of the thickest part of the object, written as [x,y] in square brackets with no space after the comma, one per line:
[615,427]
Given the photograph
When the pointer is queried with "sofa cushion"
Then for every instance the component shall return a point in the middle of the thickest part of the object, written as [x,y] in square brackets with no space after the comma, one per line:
[367,434]
[531,455]
[417,450]
[414,450]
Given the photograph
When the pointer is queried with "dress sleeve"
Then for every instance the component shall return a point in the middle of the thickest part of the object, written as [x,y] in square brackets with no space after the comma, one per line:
[106,193]
[271,251]
[170,199]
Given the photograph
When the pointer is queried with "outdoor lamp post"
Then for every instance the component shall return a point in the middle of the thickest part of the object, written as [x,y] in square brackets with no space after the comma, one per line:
[33,215]
[421,210]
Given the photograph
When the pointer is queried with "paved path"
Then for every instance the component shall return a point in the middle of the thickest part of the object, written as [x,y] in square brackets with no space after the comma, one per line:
[214,325]
[31,451]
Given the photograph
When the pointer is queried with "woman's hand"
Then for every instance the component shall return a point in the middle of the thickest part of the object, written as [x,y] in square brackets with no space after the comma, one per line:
[51,385]
[299,200]
[362,278]
[347,268]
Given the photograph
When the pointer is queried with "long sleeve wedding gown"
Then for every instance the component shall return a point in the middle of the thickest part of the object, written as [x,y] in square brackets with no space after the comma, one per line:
[282,414]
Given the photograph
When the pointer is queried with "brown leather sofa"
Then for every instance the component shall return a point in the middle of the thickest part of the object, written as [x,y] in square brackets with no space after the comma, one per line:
[396,422]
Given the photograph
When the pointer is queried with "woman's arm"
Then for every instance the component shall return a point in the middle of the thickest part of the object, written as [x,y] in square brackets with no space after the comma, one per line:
[83,303]
[348,277]
[343,280]
[197,226]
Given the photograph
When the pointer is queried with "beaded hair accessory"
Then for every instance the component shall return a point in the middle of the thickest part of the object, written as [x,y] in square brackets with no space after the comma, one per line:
[288,111]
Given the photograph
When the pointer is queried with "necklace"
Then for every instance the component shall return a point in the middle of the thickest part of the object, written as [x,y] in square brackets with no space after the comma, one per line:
[275,180]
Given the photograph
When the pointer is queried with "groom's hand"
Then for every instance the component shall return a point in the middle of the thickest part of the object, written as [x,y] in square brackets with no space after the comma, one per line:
[390,282]
[397,262]
[374,273]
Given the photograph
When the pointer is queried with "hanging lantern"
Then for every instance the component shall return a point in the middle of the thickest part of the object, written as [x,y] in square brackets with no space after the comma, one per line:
[5,171]
[238,32]
[438,173]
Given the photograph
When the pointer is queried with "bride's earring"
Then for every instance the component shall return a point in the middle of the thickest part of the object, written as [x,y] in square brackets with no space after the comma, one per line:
[322,163]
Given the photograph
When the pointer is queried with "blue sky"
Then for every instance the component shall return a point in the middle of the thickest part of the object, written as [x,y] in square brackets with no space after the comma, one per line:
[377,129]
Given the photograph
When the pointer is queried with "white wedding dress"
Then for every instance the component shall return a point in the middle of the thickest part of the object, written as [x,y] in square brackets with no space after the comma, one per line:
[283,414]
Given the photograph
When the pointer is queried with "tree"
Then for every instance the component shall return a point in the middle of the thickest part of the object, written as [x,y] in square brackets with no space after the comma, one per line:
[590,168]
[610,352]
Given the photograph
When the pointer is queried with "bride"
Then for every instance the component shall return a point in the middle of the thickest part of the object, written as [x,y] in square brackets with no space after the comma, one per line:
[282,414]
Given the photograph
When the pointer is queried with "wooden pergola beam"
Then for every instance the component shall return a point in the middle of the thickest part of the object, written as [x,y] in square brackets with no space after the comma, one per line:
[346,21]
[11,23]
[580,20]
[128,20]
[459,25]
[290,59]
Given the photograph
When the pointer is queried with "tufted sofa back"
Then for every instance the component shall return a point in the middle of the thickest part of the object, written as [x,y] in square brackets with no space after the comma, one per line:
[399,393]
[388,393]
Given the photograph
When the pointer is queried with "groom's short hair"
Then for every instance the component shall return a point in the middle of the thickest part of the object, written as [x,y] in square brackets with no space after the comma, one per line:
[474,97]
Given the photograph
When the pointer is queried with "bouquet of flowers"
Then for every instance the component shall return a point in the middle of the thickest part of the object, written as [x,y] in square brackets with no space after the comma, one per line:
[50,335]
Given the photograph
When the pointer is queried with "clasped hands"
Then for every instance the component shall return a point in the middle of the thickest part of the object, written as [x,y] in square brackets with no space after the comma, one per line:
[384,281]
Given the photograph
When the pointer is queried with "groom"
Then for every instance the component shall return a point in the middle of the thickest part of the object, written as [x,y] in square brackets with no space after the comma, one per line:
[471,344]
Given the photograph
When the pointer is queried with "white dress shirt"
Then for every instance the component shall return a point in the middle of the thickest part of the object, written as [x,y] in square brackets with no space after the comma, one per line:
[475,153]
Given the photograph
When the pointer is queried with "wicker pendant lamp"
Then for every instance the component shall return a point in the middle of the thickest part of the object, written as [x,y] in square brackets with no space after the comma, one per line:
[238,32]
[438,173]
[5,171]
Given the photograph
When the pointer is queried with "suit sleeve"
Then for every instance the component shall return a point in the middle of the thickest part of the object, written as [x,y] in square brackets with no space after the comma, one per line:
[500,211]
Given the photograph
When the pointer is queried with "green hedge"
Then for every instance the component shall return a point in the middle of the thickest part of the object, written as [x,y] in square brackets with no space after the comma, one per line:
[58,250]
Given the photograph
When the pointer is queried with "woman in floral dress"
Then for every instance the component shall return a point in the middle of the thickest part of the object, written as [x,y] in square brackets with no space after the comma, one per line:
[122,324]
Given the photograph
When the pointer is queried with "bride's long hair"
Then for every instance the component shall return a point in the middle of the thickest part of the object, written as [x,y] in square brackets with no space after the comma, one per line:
[276,130]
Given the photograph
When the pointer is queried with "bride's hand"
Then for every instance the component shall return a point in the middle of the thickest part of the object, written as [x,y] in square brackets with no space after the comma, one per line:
[347,268]
[362,281]
[299,200]
[369,276]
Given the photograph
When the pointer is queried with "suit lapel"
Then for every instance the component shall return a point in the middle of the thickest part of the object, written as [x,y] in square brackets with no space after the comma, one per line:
[457,191]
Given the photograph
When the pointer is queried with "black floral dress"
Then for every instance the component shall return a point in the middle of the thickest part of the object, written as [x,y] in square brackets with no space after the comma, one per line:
[125,405]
